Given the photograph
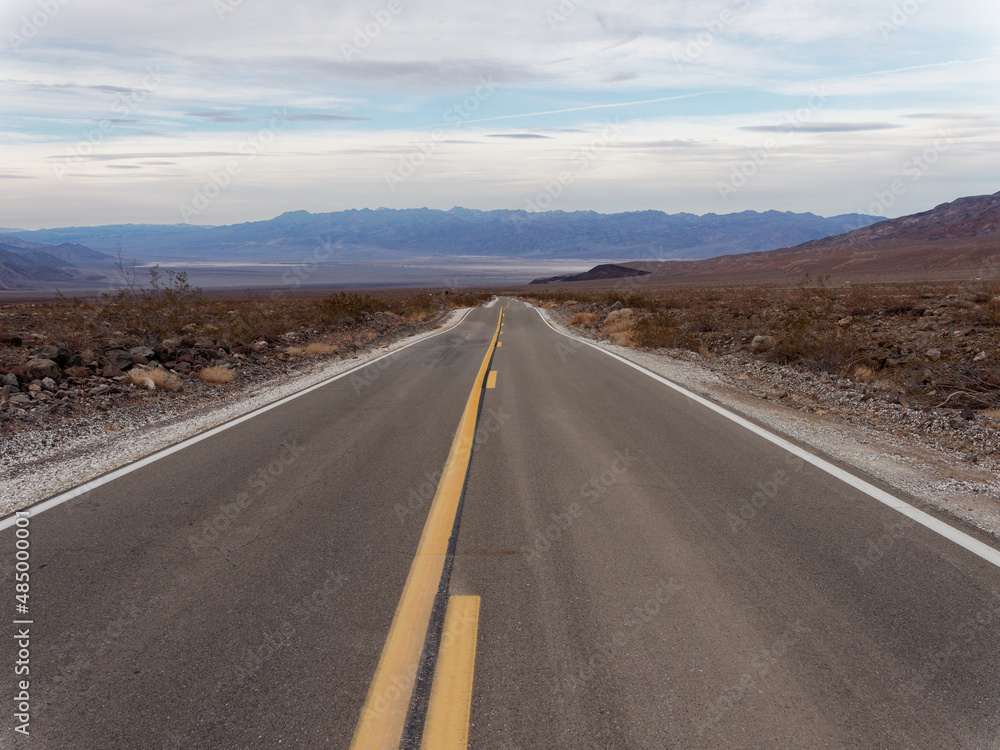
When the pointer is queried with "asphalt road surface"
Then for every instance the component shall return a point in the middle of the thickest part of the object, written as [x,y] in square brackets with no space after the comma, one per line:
[635,571]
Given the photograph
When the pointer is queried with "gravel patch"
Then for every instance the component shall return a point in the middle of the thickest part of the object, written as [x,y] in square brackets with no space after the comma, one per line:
[45,460]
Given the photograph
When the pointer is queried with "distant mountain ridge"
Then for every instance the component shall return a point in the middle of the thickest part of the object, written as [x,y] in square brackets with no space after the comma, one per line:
[962,236]
[387,234]
[23,265]
[973,216]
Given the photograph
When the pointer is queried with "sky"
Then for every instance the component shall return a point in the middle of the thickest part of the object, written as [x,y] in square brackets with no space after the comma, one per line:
[223,111]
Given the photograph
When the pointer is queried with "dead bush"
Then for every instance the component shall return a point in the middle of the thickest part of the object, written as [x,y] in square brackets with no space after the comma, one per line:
[216,375]
[321,349]
[619,321]
[158,377]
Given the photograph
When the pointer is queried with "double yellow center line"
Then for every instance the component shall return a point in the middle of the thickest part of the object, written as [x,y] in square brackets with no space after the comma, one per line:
[383,716]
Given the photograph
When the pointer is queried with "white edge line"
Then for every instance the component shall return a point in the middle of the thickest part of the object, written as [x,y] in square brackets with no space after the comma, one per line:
[52,502]
[972,544]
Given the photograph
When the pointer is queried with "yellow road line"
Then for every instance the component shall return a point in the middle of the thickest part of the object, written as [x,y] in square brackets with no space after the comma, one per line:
[447,724]
[491,381]
[499,344]
[384,714]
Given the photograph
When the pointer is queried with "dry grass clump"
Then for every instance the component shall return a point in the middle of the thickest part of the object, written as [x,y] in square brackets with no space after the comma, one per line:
[295,351]
[619,321]
[862,374]
[993,310]
[158,377]
[322,349]
[216,375]
[583,319]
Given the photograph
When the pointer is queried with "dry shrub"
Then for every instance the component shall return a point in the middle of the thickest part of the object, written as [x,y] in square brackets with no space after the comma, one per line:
[993,310]
[158,377]
[583,319]
[992,413]
[863,374]
[216,375]
[659,331]
[619,321]
[295,351]
[323,349]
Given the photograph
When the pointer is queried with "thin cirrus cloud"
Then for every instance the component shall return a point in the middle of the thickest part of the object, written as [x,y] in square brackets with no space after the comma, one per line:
[664,100]
[821,127]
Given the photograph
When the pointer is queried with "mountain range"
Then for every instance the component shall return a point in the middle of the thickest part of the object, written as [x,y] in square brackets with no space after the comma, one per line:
[387,234]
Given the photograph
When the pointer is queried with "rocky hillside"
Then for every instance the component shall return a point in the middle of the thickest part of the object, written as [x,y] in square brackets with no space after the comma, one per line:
[973,216]
[961,237]
[597,273]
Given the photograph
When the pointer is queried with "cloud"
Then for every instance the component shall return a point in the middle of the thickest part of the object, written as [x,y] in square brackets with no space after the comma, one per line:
[821,127]
[315,117]
[517,135]
[177,155]
[220,117]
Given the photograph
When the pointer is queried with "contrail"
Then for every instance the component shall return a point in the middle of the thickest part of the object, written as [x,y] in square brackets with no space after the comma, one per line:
[581,109]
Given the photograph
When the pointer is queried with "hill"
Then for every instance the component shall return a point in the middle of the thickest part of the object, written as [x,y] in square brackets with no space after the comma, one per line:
[951,239]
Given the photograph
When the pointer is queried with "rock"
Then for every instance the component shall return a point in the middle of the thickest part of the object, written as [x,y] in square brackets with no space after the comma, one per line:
[161,352]
[183,367]
[110,372]
[42,368]
[186,358]
[617,306]
[58,354]
[762,344]
[9,339]
[9,390]
[100,390]
[63,394]
[49,384]
[9,379]
[259,346]
[223,344]
[20,399]
[143,351]
[77,372]
[844,322]
[118,359]
[933,355]
[968,415]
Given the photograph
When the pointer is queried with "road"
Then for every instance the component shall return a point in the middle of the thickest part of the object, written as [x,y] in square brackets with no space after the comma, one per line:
[626,568]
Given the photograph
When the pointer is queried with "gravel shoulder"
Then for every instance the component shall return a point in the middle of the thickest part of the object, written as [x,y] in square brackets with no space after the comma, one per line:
[46,459]
[949,464]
